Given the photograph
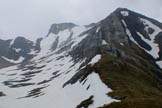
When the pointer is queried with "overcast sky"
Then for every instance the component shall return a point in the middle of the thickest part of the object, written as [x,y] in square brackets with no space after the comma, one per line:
[32,18]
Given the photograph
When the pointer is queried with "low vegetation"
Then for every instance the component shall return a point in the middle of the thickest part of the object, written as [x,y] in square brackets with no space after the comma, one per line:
[135,84]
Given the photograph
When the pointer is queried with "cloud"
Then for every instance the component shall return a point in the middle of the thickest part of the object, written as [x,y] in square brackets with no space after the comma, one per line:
[32,18]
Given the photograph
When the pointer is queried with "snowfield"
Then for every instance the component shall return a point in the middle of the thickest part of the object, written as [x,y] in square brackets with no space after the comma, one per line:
[40,83]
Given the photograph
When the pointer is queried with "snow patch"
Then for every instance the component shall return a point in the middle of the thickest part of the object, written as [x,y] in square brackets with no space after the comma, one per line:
[121,44]
[104,42]
[125,13]
[12,42]
[63,36]
[157,30]
[21,59]
[155,48]
[17,50]
[159,63]
[99,90]
[77,38]
[32,52]
[95,59]
[97,30]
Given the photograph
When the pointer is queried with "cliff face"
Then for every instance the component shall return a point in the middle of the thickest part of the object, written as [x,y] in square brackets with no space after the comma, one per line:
[17,51]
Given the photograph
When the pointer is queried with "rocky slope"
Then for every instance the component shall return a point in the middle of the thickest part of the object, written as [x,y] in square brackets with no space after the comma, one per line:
[18,50]
[114,63]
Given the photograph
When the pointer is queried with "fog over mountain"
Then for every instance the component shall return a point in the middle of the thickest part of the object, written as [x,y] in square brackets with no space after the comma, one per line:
[32,18]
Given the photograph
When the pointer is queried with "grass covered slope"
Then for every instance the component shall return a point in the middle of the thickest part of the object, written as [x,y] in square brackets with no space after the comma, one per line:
[133,80]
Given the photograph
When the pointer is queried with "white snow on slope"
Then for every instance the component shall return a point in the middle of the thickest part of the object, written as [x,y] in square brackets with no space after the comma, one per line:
[55,96]
[58,68]
[104,42]
[17,49]
[159,64]
[33,52]
[77,37]
[125,13]
[21,59]
[95,59]
[98,29]
[47,42]
[63,36]
[99,90]
[122,44]
[12,41]
[155,48]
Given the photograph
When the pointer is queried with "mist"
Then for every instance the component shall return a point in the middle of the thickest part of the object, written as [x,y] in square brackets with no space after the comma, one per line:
[32,18]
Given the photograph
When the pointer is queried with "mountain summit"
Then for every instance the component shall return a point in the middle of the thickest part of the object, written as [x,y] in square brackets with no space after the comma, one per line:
[115,63]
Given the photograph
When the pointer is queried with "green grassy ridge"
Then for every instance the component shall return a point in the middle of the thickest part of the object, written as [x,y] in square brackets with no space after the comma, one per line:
[133,83]
[137,103]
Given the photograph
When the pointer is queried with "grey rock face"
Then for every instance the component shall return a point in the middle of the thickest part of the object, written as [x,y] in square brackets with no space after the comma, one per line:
[37,45]
[56,28]
[158,40]
[113,31]
[91,25]
[134,24]
[89,46]
[7,51]
[110,30]
[21,47]
[23,44]
[55,44]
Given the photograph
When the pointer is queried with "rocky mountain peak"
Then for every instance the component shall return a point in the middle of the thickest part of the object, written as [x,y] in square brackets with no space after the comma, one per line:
[56,28]
[126,26]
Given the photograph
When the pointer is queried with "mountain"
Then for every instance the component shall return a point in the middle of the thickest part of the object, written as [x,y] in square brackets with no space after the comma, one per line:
[115,63]
[18,50]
